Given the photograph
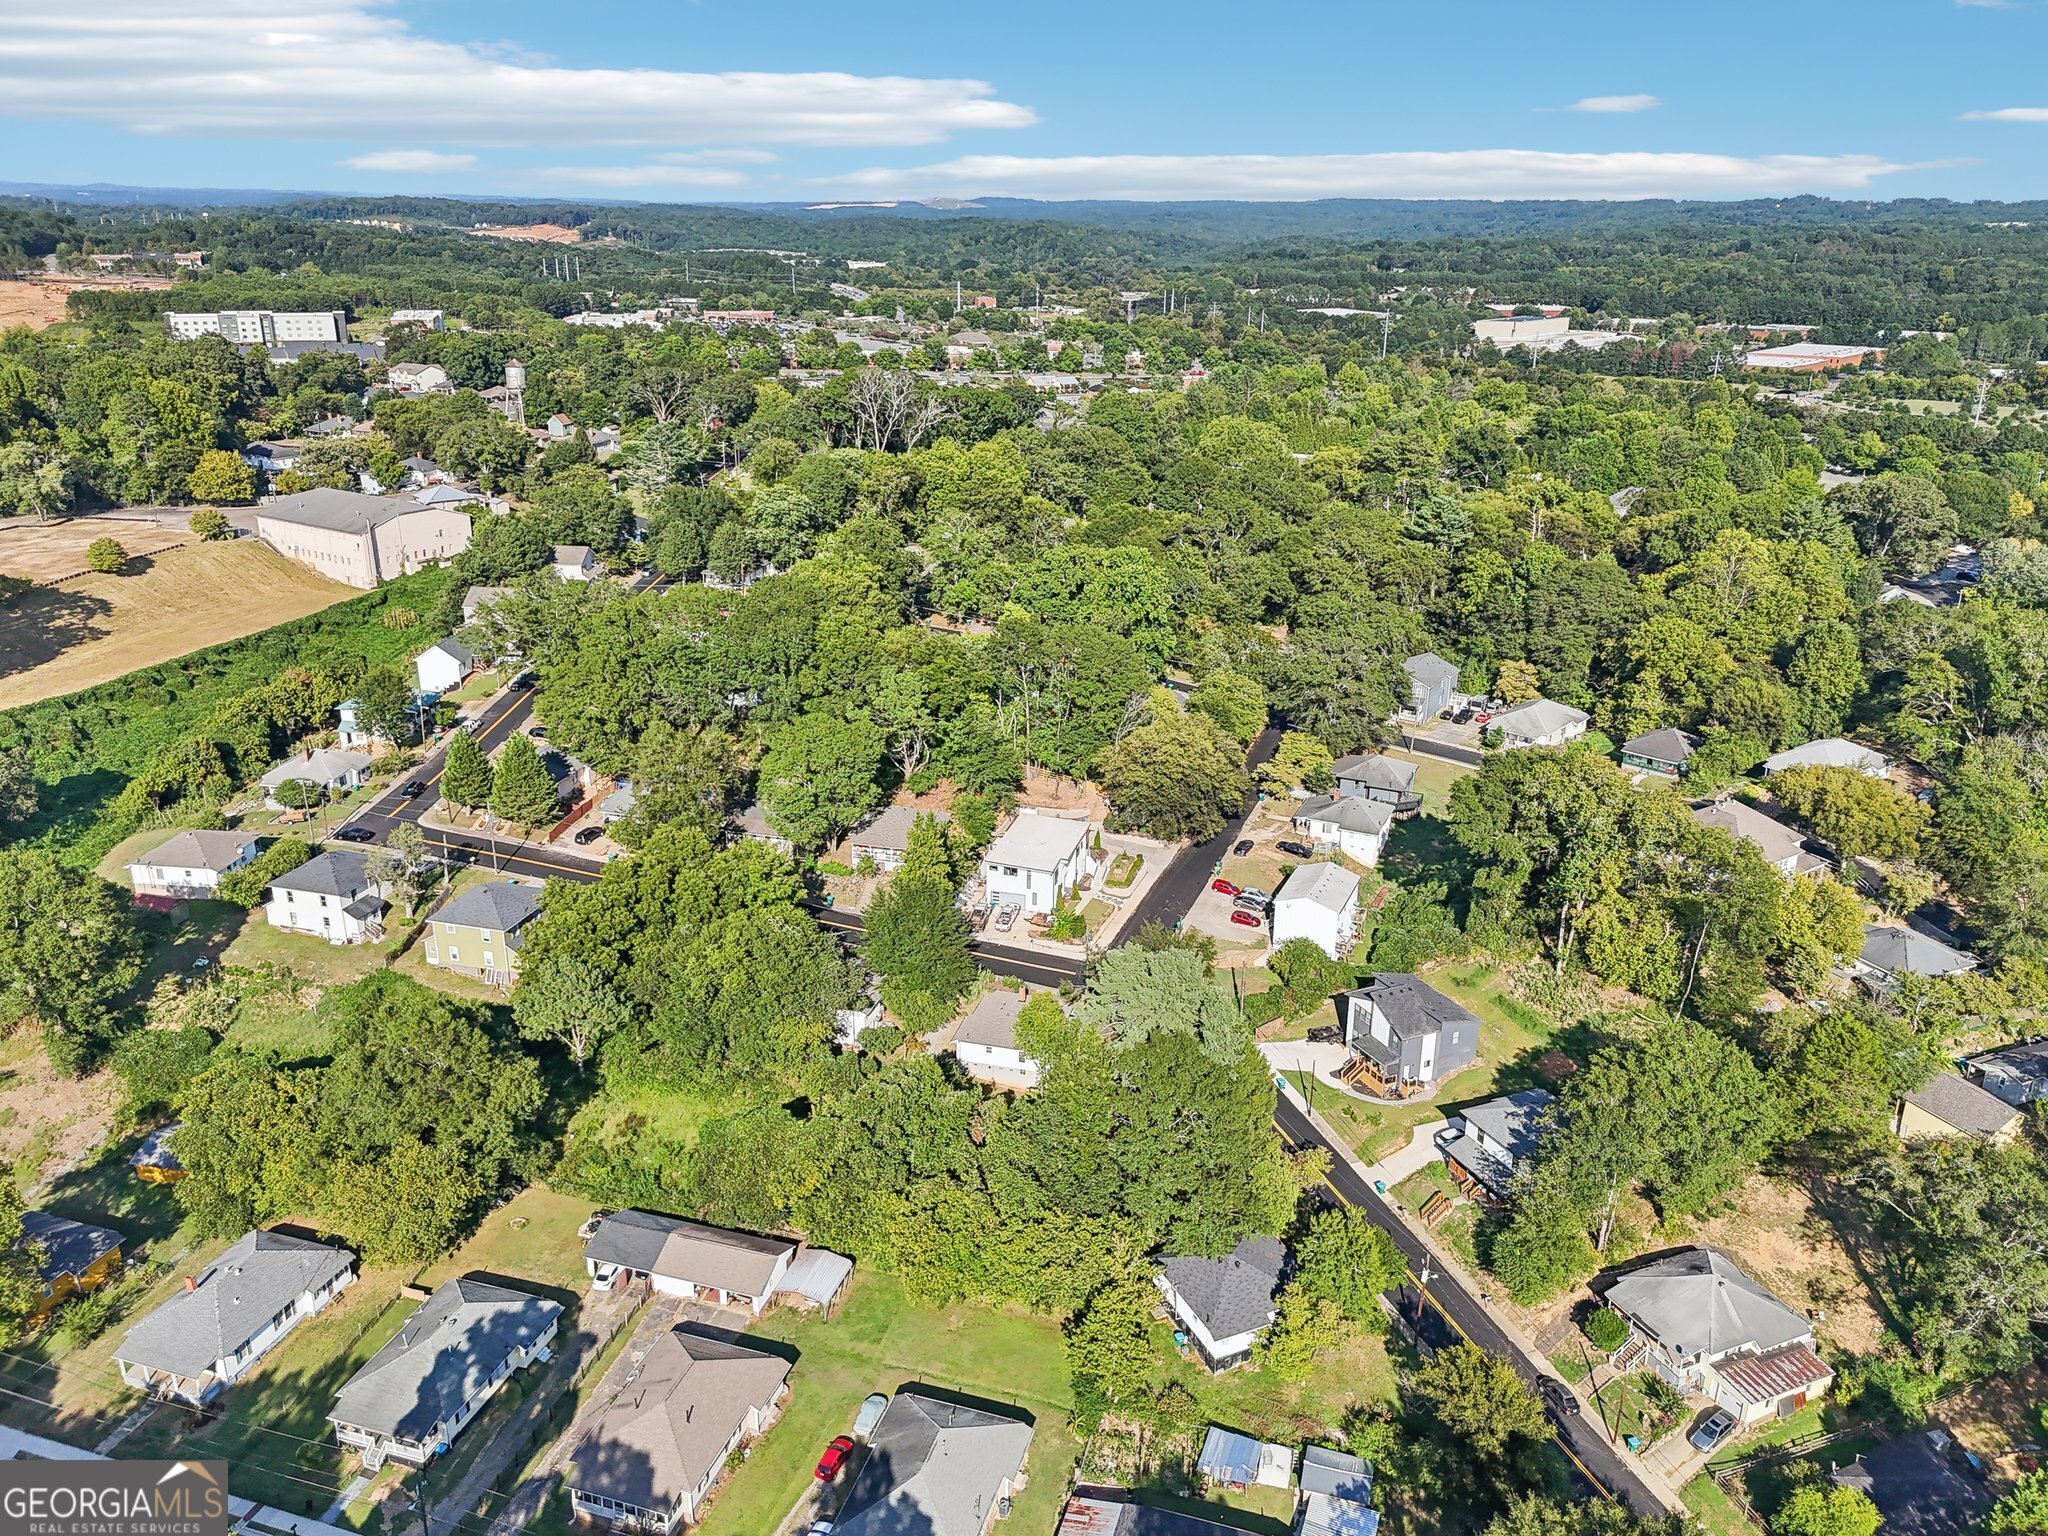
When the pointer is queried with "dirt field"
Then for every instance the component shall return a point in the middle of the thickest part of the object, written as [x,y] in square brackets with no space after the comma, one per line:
[39,302]
[47,552]
[61,638]
[48,1123]
[552,234]
[1774,1234]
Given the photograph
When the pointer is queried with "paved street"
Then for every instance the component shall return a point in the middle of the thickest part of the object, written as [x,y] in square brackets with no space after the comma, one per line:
[997,959]
[1188,875]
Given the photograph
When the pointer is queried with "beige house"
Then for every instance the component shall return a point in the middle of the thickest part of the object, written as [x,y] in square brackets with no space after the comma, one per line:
[1951,1106]
[477,934]
[361,540]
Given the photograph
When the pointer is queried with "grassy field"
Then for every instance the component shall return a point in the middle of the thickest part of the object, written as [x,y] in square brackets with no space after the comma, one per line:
[1715,1511]
[530,1238]
[92,629]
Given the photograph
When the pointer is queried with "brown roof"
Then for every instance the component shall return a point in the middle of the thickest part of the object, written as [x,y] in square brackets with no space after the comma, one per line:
[1777,841]
[1766,1378]
[740,1262]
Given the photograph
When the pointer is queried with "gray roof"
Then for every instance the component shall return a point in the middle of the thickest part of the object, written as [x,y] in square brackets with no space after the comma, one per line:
[889,828]
[1429,669]
[669,1424]
[155,1151]
[322,765]
[1376,770]
[337,872]
[1897,950]
[1512,1119]
[1327,885]
[1233,1294]
[571,554]
[1538,717]
[2017,1073]
[442,1356]
[1336,1473]
[992,1021]
[1958,1102]
[69,1247]
[1351,813]
[1670,745]
[740,1262]
[501,904]
[1412,1006]
[619,802]
[199,848]
[1697,1301]
[1739,819]
[1828,752]
[1229,1456]
[233,1300]
[481,597]
[341,511]
[455,648]
[933,1469]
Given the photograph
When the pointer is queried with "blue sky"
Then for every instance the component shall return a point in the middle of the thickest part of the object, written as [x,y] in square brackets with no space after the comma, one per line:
[734,101]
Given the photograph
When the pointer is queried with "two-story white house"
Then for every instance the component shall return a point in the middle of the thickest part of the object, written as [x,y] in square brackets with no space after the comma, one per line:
[1404,1035]
[1037,860]
[433,1376]
[442,666]
[332,896]
[228,1316]
[1317,902]
[1494,1138]
[188,865]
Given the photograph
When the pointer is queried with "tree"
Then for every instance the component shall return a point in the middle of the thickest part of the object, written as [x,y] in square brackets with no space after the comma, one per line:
[245,887]
[1819,1511]
[211,524]
[1310,976]
[35,481]
[465,773]
[401,864]
[522,790]
[21,1287]
[1234,701]
[19,795]
[565,999]
[67,953]
[384,703]
[1139,994]
[220,476]
[1861,816]
[106,557]
[1480,1400]
[1304,1326]
[1517,683]
[1298,762]
[2023,1510]
[1109,1341]
[1345,1259]
[817,776]
[916,940]
[1179,775]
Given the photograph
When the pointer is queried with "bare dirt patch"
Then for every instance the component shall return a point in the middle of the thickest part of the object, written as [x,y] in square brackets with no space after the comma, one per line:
[1774,1233]
[49,1124]
[552,234]
[38,303]
[51,552]
[1056,792]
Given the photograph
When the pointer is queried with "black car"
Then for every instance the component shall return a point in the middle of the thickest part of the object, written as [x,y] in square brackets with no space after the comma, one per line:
[355,835]
[1560,1397]
[1296,850]
[413,789]
[523,680]
[537,732]
[588,836]
[1242,848]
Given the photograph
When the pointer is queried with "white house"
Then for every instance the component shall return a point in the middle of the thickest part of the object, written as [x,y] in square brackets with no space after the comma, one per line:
[329,770]
[687,1258]
[443,665]
[360,540]
[430,319]
[1355,826]
[1038,859]
[227,1317]
[416,1394]
[985,1042]
[419,378]
[1830,752]
[1317,902]
[1539,723]
[1224,1304]
[188,865]
[1493,1138]
[574,562]
[332,896]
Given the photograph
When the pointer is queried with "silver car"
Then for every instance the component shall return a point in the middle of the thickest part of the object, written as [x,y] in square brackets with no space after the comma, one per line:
[1713,1430]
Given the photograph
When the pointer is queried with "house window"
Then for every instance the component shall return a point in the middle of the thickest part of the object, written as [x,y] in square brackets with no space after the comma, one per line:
[454,955]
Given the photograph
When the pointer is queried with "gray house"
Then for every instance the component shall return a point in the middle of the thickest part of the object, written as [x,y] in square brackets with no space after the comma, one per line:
[2018,1073]
[1494,1138]
[1892,953]
[1666,751]
[435,1374]
[1372,776]
[1405,1035]
[1432,687]
[935,1468]
[1336,1495]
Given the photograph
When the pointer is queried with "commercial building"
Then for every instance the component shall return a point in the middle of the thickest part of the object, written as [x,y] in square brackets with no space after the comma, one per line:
[260,327]
[361,540]
[1810,357]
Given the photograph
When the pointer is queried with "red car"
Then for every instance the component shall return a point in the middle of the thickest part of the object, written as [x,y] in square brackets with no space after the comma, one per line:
[834,1457]
[1481,718]
[1246,919]
[1225,887]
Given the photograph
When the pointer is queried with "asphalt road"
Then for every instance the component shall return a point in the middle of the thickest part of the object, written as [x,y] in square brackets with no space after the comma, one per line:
[1177,886]
[996,959]
[1594,1460]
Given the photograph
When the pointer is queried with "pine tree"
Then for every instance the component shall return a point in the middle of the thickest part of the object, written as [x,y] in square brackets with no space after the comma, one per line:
[522,790]
[466,779]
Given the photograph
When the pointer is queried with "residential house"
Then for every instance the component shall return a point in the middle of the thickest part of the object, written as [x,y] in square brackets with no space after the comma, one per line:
[1373,776]
[479,933]
[1405,1035]
[935,1468]
[1539,723]
[353,734]
[1704,1326]
[1038,860]
[187,866]
[1666,751]
[850,1023]
[1231,1460]
[419,379]
[574,562]
[445,496]
[1335,1497]
[1949,1105]
[687,1258]
[1223,1305]
[884,838]
[1892,953]
[2018,1074]
[1355,827]
[477,599]
[1432,687]
[332,896]
[228,1316]
[154,1162]
[617,805]
[360,540]
[985,1042]
[331,770]
[435,1374]
[271,456]
[751,822]
[421,472]
[73,1258]
[1317,902]
[426,319]
[1830,752]
[1494,1138]
[442,666]
[653,1457]
[1783,847]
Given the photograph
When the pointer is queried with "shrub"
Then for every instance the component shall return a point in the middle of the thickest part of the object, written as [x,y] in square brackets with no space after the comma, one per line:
[1264,1007]
[106,556]
[1607,1329]
[210,523]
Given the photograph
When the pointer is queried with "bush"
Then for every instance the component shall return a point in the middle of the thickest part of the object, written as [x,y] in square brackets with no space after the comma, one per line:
[210,523]
[244,887]
[1607,1329]
[106,556]
[1264,1007]
[1890,1388]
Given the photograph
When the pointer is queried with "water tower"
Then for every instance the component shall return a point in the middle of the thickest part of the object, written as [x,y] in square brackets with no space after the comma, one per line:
[515,390]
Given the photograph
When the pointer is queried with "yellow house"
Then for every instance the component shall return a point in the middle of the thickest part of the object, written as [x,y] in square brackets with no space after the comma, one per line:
[1952,1106]
[154,1161]
[77,1258]
[477,934]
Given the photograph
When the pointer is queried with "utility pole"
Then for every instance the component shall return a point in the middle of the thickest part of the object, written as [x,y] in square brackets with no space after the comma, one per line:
[1386,325]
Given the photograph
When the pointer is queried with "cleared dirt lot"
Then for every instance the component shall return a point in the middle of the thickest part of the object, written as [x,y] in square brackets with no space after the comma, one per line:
[57,639]
[48,552]
[39,302]
[552,234]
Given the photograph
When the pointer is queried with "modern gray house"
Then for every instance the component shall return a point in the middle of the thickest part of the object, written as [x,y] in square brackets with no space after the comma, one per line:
[435,1374]
[1373,776]
[2018,1073]
[935,1468]
[1432,687]
[1405,1035]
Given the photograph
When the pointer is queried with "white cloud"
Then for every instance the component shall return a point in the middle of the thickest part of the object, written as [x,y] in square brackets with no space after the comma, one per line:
[425,162]
[719,157]
[339,69]
[656,175]
[2009,115]
[1613,104]
[1477,173]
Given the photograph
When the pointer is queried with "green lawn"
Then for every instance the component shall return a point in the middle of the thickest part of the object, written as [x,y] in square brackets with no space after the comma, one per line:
[1460,1229]
[480,686]
[279,975]
[1715,1511]
[531,1237]
[1626,1407]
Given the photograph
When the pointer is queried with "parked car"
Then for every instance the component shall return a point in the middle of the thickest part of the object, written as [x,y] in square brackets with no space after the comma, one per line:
[821,1528]
[1561,1398]
[1223,887]
[834,1457]
[1482,717]
[1245,919]
[523,680]
[355,835]
[1253,893]
[588,836]
[537,732]
[872,1407]
[1242,848]
[414,788]
[1250,903]
[1713,1429]
[1006,917]
[1296,850]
